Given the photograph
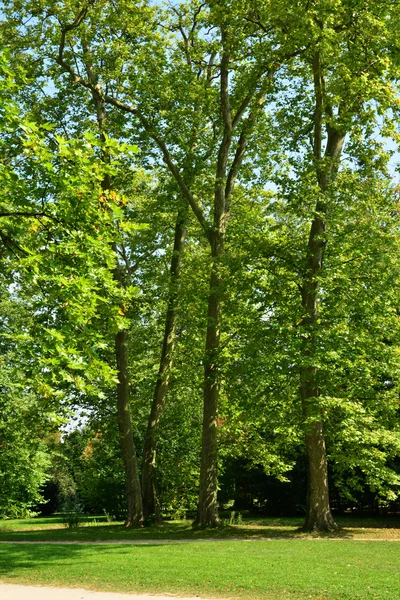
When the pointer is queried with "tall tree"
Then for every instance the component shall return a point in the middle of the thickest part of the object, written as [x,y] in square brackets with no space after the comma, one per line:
[336,109]
[344,80]
[235,125]
[46,230]
[134,516]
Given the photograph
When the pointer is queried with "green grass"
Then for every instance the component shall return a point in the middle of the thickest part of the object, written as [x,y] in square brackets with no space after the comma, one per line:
[294,568]
[96,528]
[277,569]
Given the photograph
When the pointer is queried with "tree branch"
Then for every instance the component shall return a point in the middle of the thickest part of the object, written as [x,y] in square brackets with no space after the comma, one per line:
[26,214]
[236,164]
[318,89]
[242,144]
[134,111]
[224,91]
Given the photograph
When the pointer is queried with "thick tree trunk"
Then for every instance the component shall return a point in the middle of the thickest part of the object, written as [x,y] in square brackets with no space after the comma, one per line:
[318,516]
[133,494]
[150,502]
[207,511]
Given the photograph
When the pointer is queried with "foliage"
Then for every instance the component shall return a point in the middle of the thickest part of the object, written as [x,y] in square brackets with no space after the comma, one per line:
[294,74]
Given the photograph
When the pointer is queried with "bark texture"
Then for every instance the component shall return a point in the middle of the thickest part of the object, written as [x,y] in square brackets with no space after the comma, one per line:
[149,491]
[207,511]
[133,493]
[318,514]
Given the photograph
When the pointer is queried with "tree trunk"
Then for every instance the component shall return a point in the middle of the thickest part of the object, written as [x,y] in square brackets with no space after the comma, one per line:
[318,514]
[207,511]
[133,494]
[150,502]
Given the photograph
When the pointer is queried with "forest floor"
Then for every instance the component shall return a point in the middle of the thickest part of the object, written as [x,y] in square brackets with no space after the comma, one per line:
[360,561]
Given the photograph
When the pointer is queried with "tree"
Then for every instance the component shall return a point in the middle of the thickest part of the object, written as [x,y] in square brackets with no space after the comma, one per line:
[336,110]
[31,235]
[26,420]
[233,124]
[343,82]
[224,101]
[150,500]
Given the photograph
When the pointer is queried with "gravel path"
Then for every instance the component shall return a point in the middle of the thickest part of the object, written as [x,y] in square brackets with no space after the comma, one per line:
[24,592]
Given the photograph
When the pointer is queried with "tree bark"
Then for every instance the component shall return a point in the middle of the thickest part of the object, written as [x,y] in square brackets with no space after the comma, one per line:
[225,177]
[318,512]
[207,511]
[133,494]
[318,515]
[149,491]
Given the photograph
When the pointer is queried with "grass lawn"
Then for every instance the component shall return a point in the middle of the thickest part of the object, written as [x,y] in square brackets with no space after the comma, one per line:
[277,569]
[293,565]
[97,528]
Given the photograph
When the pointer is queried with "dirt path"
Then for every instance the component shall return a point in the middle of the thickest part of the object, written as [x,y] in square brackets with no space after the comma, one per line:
[24,592]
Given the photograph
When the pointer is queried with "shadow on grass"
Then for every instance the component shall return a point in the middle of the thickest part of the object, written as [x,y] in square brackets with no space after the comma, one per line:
[28,560]
[174,530]
[390,522]
[288,528]
[257,571]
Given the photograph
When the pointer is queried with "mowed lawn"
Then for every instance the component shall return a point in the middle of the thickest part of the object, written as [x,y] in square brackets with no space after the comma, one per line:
[94,528]
[359,561]
[276,569]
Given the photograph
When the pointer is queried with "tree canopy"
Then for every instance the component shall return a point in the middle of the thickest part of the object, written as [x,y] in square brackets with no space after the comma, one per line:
[199,226]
